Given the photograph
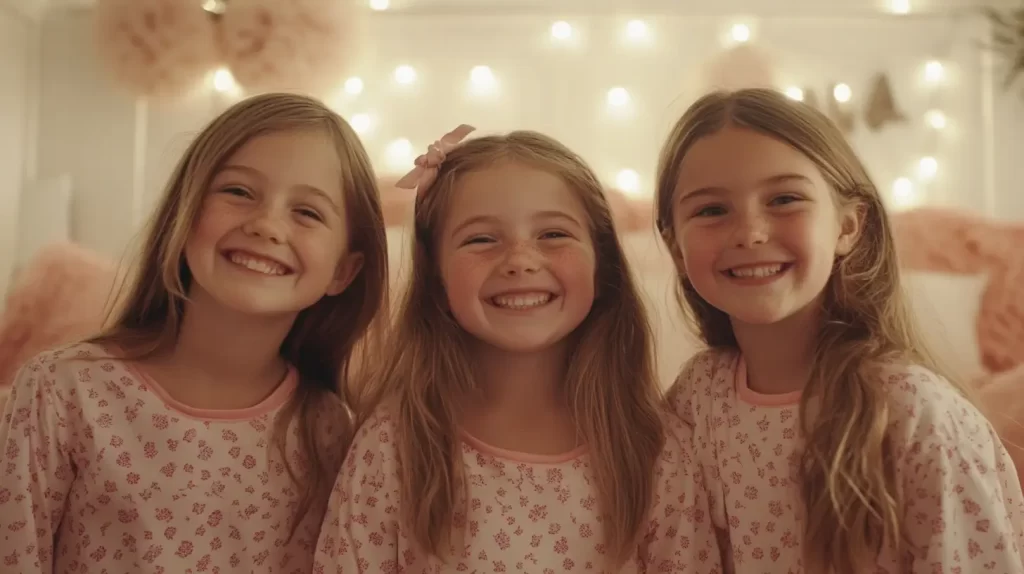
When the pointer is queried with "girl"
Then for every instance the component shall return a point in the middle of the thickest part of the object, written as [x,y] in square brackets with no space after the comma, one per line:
[828,440]
[518,426]
[203,431]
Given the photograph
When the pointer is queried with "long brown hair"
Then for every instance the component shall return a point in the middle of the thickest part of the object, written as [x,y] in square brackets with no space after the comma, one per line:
[325,339]
[853,501]
[610,386]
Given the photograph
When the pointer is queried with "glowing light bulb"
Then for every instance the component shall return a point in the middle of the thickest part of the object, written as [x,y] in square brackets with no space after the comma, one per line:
[618,97]
[842,93]
[899,6]
[927,167]
[903,194]
[405,74]
[935,119]
[795,93]
[482,79]
[561,30]
[636,30]
[354,86]
[740,33]
[361,123]
[223,81]
[934,72]
[628,181]
[379,4]
[399,154]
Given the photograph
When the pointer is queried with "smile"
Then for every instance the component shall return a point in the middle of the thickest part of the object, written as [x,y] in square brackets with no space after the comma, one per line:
[258,264]
[522,301]
[763,271]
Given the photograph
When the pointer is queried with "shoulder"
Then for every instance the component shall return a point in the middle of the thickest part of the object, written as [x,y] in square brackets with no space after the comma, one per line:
[64,365]
[925,407]
[703,372]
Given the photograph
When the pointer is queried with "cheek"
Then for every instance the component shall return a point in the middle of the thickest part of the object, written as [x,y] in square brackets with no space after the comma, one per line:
[699,247]
[577,267]
[463,275]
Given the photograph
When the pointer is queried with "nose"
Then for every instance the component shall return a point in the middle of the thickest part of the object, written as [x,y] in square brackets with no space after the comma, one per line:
[751,230]
[267,224]
[520,260]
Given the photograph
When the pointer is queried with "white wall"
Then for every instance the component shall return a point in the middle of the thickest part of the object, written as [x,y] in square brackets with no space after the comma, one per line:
[118,150]
[18,94]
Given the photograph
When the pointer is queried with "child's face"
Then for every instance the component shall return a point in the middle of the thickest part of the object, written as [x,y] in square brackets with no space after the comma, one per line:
[756,226]
[272,234]
[516,258]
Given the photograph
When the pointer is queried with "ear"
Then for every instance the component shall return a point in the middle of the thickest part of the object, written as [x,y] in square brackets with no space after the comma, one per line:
[347,270]
[851,223]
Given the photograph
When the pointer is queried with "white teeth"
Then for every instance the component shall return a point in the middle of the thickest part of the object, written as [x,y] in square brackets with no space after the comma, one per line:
[257,265]
[762,271]
[525,301]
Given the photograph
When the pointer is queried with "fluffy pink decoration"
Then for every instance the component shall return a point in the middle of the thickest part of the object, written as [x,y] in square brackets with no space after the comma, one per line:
[743,66]
[59,298]
[294,45]
[158,48]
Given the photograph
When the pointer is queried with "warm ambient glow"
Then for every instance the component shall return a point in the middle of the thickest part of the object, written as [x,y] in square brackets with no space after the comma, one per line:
[795,93]
[934,72]
[740,33]
[935,119]
[561,30]
[842,93]
[636,30]
[379,4]
[354,86]
[618,97]
[628,181]
[223,81]
[899,6]
[405,74]
[361,123]
[927,167]
[399,155]
[903,194]
[482,79]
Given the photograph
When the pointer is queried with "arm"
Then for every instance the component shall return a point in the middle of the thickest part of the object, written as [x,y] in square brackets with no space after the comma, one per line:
[963,500]
[36,470]
[360,533]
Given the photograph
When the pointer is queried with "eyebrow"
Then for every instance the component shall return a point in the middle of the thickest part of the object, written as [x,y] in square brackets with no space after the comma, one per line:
[302,186]
[773,180]
[551,214]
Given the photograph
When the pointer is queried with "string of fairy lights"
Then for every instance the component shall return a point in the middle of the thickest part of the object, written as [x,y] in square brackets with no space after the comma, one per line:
[905,191]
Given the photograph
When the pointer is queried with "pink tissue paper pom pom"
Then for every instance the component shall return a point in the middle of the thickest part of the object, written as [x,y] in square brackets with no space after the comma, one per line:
[743,66]
[158,48]
[293,45]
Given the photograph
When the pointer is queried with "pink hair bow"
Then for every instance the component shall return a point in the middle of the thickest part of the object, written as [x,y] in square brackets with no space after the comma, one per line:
[428,164]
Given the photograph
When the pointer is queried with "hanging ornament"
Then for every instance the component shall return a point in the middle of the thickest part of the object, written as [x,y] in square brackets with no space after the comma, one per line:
[155,48]
[839,112]
[294,45]
[881,108]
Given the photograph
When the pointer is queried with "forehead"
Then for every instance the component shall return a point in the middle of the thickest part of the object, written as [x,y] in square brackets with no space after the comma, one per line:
[737,157]
[509,190]
[293,157]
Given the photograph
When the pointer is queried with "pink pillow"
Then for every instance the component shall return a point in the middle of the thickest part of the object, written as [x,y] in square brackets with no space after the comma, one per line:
[58,298]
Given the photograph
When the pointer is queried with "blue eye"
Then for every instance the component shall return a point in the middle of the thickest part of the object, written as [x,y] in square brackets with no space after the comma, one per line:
[236,191]
[554,235]
[710,211]
[306,212]
[785,199]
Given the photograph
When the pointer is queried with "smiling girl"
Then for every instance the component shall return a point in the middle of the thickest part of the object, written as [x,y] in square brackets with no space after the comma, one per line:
[827,437]
[203,430]
[519,427]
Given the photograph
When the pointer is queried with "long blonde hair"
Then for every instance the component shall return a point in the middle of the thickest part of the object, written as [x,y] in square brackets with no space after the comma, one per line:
[610,386]
[324,340]
[853,501]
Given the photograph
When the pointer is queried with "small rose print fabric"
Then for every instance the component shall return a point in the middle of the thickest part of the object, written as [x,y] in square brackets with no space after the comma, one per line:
[526,514]
[102,475]
[963,502]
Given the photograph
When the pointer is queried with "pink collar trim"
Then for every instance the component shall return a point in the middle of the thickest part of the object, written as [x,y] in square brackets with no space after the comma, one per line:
[747,395]
[524,457]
